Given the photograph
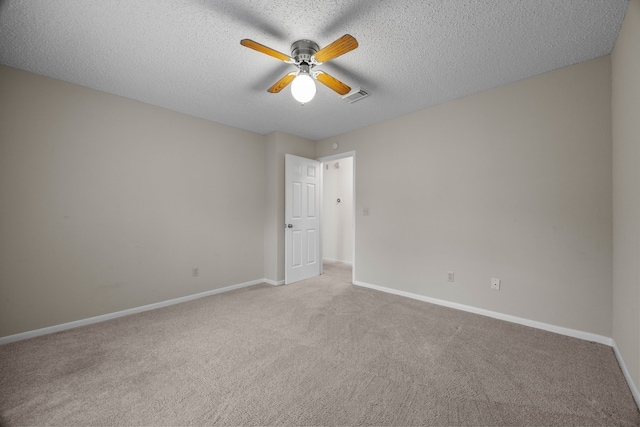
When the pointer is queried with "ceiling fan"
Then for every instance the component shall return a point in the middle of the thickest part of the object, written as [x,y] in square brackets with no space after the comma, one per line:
[305,55]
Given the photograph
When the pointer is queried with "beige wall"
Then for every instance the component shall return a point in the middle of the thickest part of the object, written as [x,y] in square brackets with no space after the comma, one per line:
[108,203]
[626,191]
[513,183]
[271,207]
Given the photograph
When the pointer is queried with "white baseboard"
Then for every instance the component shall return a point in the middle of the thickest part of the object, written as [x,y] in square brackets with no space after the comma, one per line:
[532,323]
[337,260]
[506,317]
[526,322]
[632,385]
[109,316]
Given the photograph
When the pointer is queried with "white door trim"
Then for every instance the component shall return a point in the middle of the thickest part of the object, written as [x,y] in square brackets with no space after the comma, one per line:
[322,161]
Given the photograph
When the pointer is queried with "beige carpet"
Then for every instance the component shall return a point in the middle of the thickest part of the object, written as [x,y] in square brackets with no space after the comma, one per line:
[318,352]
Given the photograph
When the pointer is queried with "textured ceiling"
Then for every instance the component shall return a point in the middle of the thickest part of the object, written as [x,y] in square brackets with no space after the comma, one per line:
[185,55]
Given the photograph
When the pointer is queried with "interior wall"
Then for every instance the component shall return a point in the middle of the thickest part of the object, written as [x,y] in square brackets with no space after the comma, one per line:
[512,183]
[271,207]
[337,217]
[109,203]
[277,145]
[626,193]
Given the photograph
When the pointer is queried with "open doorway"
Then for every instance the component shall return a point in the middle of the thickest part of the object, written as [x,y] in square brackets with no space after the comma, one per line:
[338,215]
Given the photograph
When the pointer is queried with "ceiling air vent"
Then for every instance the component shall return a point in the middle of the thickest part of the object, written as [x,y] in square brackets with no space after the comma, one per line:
[356,95]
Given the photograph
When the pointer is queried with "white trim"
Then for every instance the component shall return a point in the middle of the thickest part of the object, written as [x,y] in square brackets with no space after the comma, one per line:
[337,156]
[632,385]
[539,325]
[109,316]
[337,260]
[526,322]
[506,317]
[354,217]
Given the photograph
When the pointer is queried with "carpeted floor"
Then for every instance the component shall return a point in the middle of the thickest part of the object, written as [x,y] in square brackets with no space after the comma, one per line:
[317,352]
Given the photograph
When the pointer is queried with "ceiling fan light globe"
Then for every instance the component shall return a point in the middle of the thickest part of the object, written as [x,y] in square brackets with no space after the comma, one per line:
[303,88]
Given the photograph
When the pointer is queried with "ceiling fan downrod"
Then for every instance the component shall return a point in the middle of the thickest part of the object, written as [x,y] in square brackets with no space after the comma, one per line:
[302,51]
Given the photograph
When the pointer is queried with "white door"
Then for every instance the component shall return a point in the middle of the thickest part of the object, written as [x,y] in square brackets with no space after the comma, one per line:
[302,223]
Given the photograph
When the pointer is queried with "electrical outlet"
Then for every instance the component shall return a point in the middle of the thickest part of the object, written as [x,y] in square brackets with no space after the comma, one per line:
[365,212]
[495,284]
[195,271]
[450,276]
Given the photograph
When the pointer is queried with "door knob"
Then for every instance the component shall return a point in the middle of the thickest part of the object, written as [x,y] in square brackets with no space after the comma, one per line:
[289,225]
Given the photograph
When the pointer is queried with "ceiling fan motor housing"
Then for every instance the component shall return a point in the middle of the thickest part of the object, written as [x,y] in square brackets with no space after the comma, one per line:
[303,50]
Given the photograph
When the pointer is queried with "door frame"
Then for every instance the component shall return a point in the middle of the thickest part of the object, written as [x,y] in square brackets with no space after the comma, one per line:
[323,161]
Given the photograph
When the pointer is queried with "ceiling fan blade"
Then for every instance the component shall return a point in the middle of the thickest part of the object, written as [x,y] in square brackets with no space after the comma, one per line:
[282,83]
[266,50]
[339,47]
[332,83]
